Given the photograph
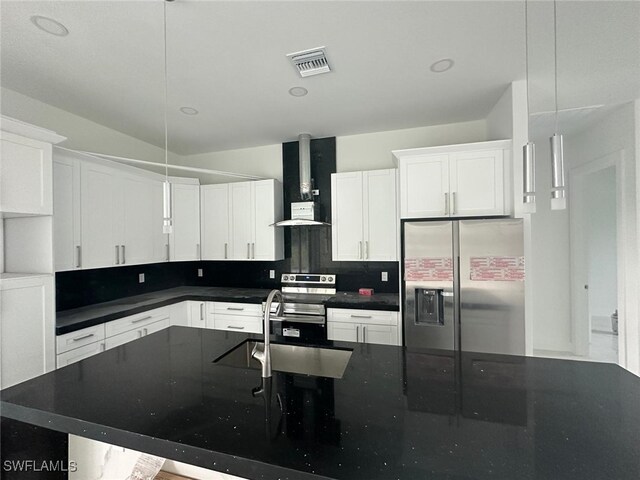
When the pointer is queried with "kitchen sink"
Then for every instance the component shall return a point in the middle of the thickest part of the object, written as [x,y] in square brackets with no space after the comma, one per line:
[320,362]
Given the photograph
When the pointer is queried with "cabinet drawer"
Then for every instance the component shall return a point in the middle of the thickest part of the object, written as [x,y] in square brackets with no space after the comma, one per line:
[248,309]
[135,321]
[70,341]
[122,338]
[77,354]
[374,317]
[237,323]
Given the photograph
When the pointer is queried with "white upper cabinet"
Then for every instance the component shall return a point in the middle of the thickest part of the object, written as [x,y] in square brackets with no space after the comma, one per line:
[364,216]
[455,181]
[476,180]
[237,221]
[66,214]
[101,211]
[214,221]
[25,175]
[185,238]
[105,215]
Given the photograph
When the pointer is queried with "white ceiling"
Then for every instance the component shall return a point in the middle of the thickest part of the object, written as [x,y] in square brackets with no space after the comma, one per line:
[227,59]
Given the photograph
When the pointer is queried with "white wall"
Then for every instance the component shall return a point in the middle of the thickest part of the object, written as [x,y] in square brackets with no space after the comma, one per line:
[82,134]
[601,242]
[371,151]
[617,131]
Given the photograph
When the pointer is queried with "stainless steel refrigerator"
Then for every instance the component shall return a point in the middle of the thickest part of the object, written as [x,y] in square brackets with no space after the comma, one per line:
[463,285]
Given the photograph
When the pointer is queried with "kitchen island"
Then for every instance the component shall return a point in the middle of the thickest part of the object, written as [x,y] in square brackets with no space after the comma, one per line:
[395,414]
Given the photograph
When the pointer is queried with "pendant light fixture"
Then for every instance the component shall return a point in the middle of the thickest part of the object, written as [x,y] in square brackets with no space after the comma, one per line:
[558,194]
[167,225]
[529,149]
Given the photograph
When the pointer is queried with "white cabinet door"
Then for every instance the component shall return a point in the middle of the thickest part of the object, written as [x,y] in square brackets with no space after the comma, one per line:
[185,239]
[27,329]
[380,215]
[214,215]
[179,314]
[140,225]
[477,183]
[66,214]
[241,221]
[346,216]
[77,354]
[25,175]
[380,334]
[197,314]
[424,186]
[345,332]
[267,242]
[101,216]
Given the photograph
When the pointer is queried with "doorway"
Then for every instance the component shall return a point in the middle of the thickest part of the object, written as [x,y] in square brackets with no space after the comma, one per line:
[595,259]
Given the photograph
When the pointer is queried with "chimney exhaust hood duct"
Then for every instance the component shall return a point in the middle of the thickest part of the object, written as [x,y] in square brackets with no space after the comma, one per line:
[303,213]
[304,162]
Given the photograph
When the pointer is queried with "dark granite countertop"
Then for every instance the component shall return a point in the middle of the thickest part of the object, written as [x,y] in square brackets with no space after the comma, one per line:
[395,414]
[79,318]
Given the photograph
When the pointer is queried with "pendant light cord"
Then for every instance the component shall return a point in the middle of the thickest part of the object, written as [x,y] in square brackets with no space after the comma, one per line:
[166,128]
[526,53]
[555,57]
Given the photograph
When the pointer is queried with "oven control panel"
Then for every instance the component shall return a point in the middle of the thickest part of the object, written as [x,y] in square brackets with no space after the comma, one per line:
[309,278]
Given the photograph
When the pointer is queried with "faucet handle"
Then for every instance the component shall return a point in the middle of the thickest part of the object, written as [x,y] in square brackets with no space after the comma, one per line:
[257,354]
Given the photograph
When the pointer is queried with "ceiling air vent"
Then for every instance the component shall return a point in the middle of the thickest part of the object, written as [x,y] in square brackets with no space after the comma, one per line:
[310,62]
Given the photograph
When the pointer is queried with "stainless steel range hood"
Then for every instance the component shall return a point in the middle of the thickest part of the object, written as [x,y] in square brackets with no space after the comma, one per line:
[303,213]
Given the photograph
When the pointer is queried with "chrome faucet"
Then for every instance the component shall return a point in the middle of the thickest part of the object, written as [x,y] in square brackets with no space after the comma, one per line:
[264,355]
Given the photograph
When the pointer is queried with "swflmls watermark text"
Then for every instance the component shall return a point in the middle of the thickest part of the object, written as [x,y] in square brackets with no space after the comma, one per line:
[39,466]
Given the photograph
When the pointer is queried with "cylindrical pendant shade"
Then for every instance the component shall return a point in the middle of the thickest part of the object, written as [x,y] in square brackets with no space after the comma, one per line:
[167,226]
[558,198]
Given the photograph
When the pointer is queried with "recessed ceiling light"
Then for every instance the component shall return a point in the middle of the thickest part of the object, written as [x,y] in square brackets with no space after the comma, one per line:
[298,91]
[189,110]
[50,25]
[442,65]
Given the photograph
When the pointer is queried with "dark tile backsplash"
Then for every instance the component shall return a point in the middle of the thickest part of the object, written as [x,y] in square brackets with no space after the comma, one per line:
[307,249]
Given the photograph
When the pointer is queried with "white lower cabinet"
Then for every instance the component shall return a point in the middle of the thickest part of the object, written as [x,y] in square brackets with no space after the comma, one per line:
[235,317]
[197,314]
[363,326]
[27,328]
[75,346]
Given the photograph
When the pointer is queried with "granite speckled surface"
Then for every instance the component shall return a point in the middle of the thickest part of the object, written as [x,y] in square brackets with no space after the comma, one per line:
[395,414]
[78,318]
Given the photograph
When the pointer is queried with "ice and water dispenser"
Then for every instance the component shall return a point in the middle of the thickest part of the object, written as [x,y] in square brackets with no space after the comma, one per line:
[429,306]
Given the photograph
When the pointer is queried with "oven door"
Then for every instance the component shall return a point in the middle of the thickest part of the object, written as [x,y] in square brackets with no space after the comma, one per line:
[295,327]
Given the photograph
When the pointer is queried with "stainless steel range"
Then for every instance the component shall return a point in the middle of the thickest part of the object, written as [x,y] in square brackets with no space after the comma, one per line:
[304,315]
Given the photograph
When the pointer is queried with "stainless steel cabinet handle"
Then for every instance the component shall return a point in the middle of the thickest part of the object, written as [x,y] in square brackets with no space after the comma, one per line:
[233,327]
[453,203]
[253,250]
[446,204]
[167,245]
[102,347]
[88,335]
[202,312]
[248,250]
[78,256]
[364,334]
[225,250]
[360,316]
[139,333]
[123,257]
[146,332]
[357,333]
[235,308]
[117,255]
[141,319]
[359,249]
[366,249]
[198,251]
